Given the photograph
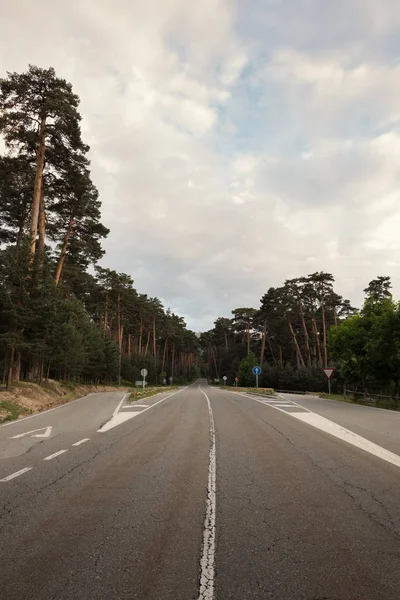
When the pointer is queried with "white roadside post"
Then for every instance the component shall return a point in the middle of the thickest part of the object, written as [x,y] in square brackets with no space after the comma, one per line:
[143,373]
[170,380]
[329,372]
[224,378]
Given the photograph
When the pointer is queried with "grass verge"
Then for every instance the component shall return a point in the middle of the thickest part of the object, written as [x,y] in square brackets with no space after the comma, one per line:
[9,411]
[259,391]
[150,391]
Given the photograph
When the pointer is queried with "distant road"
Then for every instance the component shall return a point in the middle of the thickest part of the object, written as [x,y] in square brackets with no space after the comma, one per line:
[201,494]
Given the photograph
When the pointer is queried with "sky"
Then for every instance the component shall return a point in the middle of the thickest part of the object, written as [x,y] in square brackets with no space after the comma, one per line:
[234,143]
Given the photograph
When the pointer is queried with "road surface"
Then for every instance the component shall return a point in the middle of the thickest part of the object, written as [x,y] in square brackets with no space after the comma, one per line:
[201,494]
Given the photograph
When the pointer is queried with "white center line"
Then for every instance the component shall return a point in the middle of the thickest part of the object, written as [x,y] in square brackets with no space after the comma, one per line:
[55,454]
[17,474]
[208,556]
[81,442]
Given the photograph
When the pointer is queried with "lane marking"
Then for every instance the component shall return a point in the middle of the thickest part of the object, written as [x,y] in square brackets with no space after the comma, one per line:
[119,418]
[347,436]
[136,405]
[43,412]
[17,474]
[81,442]
[208,556]
[38,435]
[55,454]
[337,431]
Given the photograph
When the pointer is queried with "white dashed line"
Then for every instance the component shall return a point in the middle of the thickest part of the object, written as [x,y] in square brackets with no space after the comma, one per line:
[55,454]
[208,556]
[17,474]
[81,442]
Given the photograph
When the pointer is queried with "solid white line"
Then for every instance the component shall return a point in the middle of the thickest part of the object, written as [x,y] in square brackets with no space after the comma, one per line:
[43,412]
[208,556]
[347,436]
[55,454]
[81,442]
[337,431]
[135,405]
[119,418]
[17,474]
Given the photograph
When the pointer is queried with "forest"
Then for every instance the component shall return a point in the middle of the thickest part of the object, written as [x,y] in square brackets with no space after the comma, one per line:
[64,316]
[304,326]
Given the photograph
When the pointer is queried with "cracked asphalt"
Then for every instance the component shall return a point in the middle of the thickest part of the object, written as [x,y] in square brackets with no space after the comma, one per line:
[300,515]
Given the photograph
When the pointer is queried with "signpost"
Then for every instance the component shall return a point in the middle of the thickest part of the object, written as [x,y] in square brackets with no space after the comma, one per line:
[143,373]
[170,380]
[164,381]
[256,371]
[329,372]
[225,378]
[236,381]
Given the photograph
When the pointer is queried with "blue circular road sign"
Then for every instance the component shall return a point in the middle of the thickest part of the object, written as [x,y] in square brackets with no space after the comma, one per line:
[256,370]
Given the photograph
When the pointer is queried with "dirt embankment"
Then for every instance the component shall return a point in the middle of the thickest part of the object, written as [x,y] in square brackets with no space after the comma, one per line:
[29,398]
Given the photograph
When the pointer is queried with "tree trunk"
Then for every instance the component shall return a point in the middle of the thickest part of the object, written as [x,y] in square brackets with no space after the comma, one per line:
[48,372]
[147,343]
[248,337]
[164,355]
[307,340]
[60,263]
[129,345]
[10,369]
[154,339]
[280,357]
[316,333]
[300,360]
[42,222]
[140,337]
[264,335]
[226,341]
[38,183]
[271,348]
[16,376]
[324,332]
[106,312]
[173,359]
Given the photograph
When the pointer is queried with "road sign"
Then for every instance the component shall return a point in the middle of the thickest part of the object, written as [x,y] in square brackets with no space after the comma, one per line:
[256,371]
[47,432]
[171,379]
[141,383]
[143,372]
[164,381]
[224,378]
[236,379]
[329,372]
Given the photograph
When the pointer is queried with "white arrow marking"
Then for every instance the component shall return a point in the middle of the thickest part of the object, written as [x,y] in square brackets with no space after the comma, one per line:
[47,432]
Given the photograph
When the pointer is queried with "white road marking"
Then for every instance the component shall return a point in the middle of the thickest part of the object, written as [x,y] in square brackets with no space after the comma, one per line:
[284,405]
[208,556]
[81,442]
[43,412]
[55,454]
[17,474]
[347,436]
[119,418]
[38,435]
[337,431]
[136,405]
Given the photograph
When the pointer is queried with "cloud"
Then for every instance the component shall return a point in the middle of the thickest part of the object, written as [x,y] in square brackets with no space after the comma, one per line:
[233,148]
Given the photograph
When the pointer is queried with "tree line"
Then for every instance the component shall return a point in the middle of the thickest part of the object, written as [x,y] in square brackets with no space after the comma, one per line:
[62,315]
[305,326]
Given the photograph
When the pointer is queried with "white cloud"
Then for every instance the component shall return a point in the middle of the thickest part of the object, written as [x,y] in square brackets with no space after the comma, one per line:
[232,148]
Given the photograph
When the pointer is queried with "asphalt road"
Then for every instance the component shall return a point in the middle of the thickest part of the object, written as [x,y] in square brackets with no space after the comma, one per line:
[203,495]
